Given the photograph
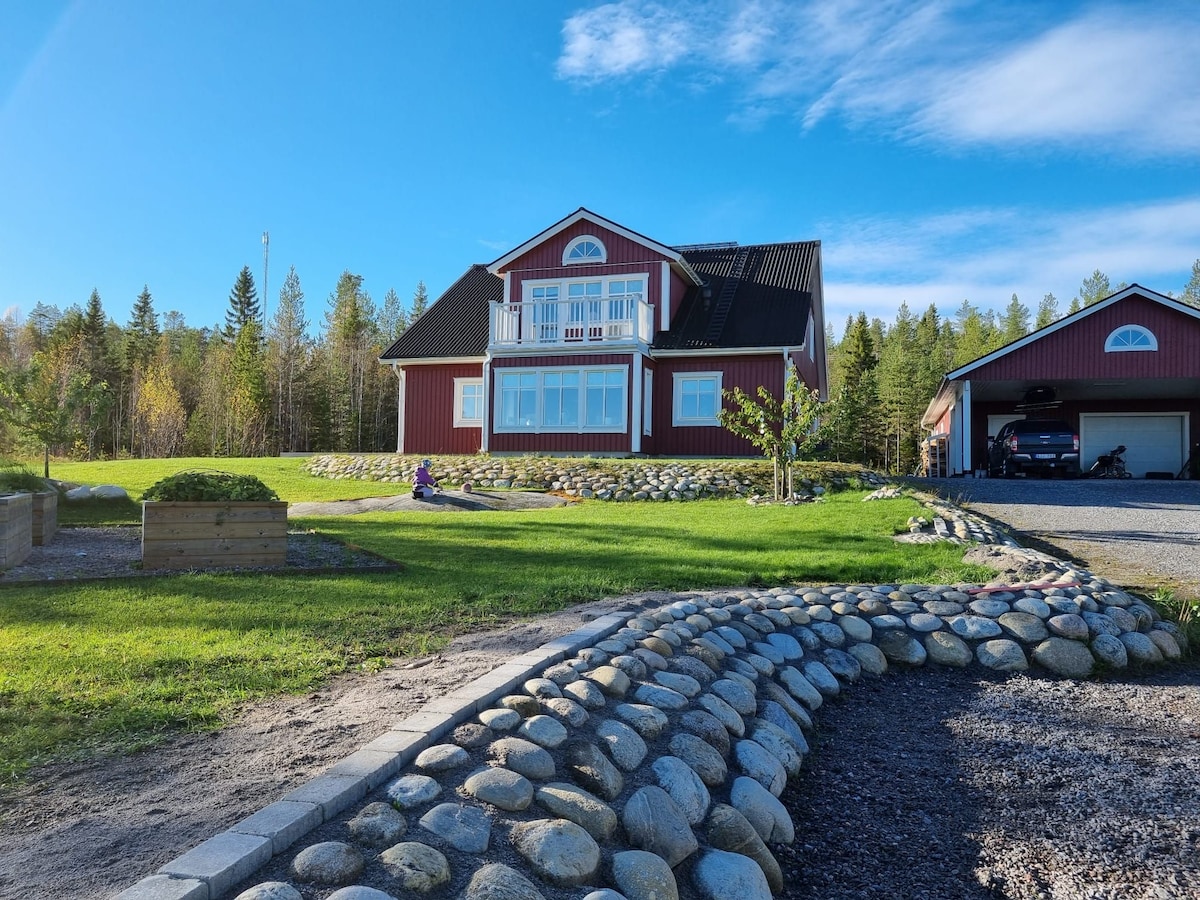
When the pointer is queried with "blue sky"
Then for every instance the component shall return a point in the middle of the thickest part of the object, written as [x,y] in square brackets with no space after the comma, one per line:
[940,150]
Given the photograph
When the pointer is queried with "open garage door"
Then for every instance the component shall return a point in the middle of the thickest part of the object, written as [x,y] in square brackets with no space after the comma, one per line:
[1155,442]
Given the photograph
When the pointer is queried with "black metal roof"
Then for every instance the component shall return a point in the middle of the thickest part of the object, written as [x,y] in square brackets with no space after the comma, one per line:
[456,324]
[766,305]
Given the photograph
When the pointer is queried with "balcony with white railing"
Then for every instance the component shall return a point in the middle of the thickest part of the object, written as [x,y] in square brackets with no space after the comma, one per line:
[621,319]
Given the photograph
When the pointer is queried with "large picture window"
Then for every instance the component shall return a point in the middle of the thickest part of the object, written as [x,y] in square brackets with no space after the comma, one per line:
[697,399]
[589,398]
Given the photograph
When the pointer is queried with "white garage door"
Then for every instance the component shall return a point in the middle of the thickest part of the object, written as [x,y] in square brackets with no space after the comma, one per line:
[1155,442]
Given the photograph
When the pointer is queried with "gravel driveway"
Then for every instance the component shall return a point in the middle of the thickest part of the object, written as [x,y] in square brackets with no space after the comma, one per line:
[1138,533]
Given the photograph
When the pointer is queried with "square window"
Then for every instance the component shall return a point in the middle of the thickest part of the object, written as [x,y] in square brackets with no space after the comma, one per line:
[697,399]
[468,402]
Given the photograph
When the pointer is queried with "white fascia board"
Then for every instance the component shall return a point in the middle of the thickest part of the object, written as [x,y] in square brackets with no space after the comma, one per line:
[732,351]
[580,215]
[937,405]
[1132,290]
[434,361]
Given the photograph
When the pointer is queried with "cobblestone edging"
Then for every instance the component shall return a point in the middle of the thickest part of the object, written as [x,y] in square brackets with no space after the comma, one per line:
[643,754]
[598,479]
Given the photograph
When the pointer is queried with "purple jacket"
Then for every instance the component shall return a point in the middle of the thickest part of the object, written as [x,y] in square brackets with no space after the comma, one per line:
[423,478]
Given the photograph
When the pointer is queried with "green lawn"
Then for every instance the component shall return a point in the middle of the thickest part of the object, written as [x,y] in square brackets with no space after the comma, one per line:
[114,665]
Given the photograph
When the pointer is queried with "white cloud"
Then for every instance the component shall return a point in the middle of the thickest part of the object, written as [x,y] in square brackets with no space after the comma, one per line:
[621,39]
[1114,78]
[875,265]
[1104,77]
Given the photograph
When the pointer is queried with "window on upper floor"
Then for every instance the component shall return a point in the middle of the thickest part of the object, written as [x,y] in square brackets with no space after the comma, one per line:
[585,249]
[697,399]
[1130,338]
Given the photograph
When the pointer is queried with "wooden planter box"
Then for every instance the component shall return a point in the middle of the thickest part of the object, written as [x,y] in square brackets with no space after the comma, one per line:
[16,529]
[45,518]
[178,535]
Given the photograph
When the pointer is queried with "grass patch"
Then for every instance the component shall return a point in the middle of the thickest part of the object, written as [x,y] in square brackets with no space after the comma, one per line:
[1181,609]
[115,665]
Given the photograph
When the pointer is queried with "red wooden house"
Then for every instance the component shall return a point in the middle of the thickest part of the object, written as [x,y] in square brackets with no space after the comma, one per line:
[1125,370]
[590,338]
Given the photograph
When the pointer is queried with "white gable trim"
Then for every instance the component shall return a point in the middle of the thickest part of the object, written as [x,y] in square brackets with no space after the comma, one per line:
[583,214]
[1132,290]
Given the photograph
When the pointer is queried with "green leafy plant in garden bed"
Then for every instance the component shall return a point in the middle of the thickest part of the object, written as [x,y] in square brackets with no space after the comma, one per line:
[16,478]
[201,487]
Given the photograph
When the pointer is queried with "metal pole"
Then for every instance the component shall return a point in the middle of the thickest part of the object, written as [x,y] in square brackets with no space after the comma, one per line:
[266,239]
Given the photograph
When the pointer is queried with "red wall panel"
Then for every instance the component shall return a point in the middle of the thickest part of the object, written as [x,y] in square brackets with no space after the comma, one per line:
[429,410]
[746,372]
[1077,350]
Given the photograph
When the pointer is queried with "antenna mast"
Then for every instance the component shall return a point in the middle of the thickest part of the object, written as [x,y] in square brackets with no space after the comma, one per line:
[266,239]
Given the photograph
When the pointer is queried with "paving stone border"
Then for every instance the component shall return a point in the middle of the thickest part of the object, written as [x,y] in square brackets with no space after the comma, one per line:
[643,754]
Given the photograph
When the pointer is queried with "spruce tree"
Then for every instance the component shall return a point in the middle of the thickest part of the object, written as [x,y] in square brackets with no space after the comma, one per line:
[1191,291]
[1047,311]
[243,305]
[420,302]
[1015,323]
[142,334]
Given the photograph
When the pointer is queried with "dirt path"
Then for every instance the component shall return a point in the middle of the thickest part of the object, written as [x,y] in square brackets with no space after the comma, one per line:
[92,829]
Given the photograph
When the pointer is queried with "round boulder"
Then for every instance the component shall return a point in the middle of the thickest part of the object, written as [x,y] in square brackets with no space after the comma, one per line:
[559,851]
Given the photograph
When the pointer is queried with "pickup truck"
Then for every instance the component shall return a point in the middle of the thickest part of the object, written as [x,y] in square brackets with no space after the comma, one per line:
[1034,445]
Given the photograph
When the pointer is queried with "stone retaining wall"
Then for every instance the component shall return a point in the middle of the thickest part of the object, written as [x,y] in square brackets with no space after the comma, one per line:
[599,479]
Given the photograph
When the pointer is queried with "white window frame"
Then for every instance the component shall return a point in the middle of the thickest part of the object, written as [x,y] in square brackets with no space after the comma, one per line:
[590,260]
[648,403]
[538,426]
[677,417]
[1111,346]
[460,386]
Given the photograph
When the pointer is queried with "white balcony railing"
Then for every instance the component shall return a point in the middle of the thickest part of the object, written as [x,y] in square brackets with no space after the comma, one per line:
[621,319]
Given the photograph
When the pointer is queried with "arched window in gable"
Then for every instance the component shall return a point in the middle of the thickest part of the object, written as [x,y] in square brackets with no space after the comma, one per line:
[1130,339]
[585,249]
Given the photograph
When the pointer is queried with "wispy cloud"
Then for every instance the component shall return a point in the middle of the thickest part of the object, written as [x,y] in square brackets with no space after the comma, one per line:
[877,264]
[1121,77]
[622,39]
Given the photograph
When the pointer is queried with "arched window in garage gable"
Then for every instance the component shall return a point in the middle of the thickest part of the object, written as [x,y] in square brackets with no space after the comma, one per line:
[1130,338]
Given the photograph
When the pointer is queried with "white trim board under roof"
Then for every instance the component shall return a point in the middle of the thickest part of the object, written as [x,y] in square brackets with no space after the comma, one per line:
[1132,290]
[582,214]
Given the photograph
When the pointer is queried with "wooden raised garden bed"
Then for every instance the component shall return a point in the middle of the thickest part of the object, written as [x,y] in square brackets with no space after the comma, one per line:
[197,535]
[16,529]
[45,517]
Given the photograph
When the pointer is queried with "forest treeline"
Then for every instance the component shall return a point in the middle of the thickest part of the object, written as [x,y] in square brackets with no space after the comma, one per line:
[77,383]
[81,384]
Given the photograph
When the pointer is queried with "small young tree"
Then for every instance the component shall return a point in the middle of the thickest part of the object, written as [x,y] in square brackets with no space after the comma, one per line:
[45,401]
[782,429]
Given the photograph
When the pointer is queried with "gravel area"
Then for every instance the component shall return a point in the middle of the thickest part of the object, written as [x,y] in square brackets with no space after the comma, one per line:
[942,783]
[116,552]
[1136,532]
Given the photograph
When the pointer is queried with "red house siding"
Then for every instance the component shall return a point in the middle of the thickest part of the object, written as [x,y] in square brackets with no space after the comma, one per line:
[548,254]
[746,372]
[1077,350]
[591,442]
[429,410]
